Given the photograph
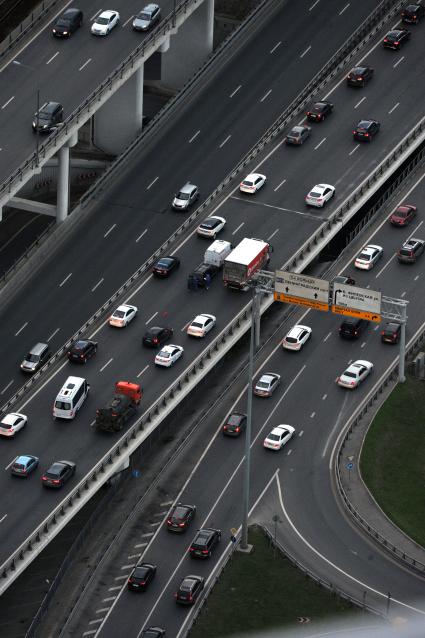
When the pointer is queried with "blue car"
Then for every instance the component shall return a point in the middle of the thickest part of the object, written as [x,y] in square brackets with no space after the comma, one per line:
[24,465]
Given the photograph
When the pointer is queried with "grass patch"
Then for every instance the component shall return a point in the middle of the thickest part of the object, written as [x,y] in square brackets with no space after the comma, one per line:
[392,461]
[262,591]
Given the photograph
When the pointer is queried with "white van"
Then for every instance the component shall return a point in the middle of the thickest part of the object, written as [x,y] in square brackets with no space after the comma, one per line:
[71,398]
[217,252]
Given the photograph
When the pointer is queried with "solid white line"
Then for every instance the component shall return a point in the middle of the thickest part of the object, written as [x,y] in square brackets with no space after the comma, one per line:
[266,95]
[276,46]
[194,137]
[152,183]
[106,364]
[398,61]
[11,463]
[273,234]
[142,235]
[21,229]
[186,325]
[6,387]
[65,280]
[306,51]
[224,141]
[8,102]
[52,58]
[320,144]
[53,334]
[358,103]
[20,329]
[85,64]
[236,90]
[97,285]
[110,230]
[279,185]
[153,317]
[314,4]
[342,10]
[394,108]
[354,149]
[238,228]
[144,370]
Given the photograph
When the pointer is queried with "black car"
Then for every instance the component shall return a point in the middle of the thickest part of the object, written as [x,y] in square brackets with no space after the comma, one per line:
[67,23]
[198,278]
[298,135]
[366,130]
[165,266]
[141,576]
[58,474]
[413,13]
[204,542]
[189,590]
[411,250]
[48,117]
[157,335]
[235,424]
[342,279]
[352,328]
[360,75]
[180,517]
[153,632]
[81,351]
[391,332]
[395,39]
[319,111]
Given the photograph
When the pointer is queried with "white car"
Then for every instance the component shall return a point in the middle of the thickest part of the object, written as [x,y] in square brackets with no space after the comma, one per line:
[319,195]
[296,337]
[278,437]
[168,355]
[201,325]
[105,22]
[122,316]
[266,384]
[368,257]
[252,183]
[355,374]
[12,423]
[211,226]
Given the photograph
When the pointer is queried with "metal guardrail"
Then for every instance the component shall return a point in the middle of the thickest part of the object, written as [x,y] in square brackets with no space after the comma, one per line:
[16,36]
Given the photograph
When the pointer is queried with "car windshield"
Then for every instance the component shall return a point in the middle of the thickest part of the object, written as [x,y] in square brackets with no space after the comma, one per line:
[80,345]
[359,70]
[315,194]
[196,324]
[247,183]
[144,16]
[210,223]
[393,35]
[179,513]
[19,466]
[32,358]
[164,355]
[291,339]
[295,132]
[183,195]
[119,314]
[164,262]
[63,22]
[351,375]
[406,251]
[273,437]
[365,256]
[62,405]
[101,20]
[140,572]
[402,213]
[234,419]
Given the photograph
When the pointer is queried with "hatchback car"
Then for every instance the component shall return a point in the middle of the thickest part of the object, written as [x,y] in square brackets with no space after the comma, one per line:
[319,111]
[278,437]
[23,465]
[81,351]
[395,39]
[368,257]
[47,118]
[68,22]
[105,22]
[403,215]
[352,327]
[298,135]
[235,424]
[35,358]
[168,355]
[11,423]
[390,333]
[252,183]
[186,196]
[141,576]
[204,542]
[413,13]
[156,336]
[266,384]
[366,130]
[165,266]
[201,325]
[296,337]
[189,590]
[147,18]
[319,195]
[360,75]
[122,316]
[356,372]
[180,517]
[211,227]
[410,250]
[58,474]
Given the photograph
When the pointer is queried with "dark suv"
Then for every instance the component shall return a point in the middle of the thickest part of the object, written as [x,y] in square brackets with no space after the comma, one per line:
[67,23]
[413,13]
[359,75]
[366,130]
[81,351]
[189,590]
[204,542]
[180,517]
[48,117]
[352,328]
[391,332]
[235,424]
[411,250]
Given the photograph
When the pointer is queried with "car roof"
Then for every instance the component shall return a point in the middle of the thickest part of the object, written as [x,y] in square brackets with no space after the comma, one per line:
[268,376]
[170,347]
[106,14]
[150,7]
[187,188]
[10,418]
[24,459]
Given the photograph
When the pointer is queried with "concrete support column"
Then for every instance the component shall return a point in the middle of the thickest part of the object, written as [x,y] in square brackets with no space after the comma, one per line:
[63,185]
[138,97]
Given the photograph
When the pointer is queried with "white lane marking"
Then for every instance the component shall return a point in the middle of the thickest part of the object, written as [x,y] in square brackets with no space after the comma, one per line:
[186,325]
[106,364]
[416,278]
[142,235]
[377,327]
[142,371]
[266,95]
[53,334]
[238,228]
[150,318]
[52,58]
[312,415]
[2,518]
[20,329]
[354,149]
[398,61]
[152,182]
[301,433]
[89,633]
[394,108]
[147,534]
[306,51]
[8,102]
[273,234]
[127,21]
[403,294]
[279,185]
[360,102]
[363,344]
[344,9]
[6,387]
[289,452]
[314,4]
[11,463]
[131,556]
[114,588]
[166,504]
[155,524]
[65,280]
[94,622]
[137,547]
[194,137]
[320,144]
[110,230]
[327,336]
[85,64]
[126,567]
[324,397]
[225,141]
[97,285]
[101,611]
[236,90]
[95,15]
[120,577]
[276,46]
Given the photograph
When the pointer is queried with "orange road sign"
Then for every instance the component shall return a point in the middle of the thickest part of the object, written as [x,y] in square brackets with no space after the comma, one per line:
[352,312]
[301,301]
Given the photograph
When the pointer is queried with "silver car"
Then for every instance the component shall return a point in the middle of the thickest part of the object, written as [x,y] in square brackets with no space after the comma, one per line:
[147,18]
[188,194]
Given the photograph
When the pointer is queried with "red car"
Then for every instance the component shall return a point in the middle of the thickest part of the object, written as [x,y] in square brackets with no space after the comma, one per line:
[403,215]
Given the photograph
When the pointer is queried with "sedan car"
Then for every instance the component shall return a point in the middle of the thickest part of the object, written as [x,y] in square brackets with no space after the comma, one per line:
[391,332]
[11,423]
[168,355]
[141,576]
[122,316]
[155,336]
[153,632]
[204,542]
[252,183]
[180,517]
[201,325]
[147,18]
[234,424]
[68,22]
[319,111]
[266,384]
[81,351]
[105,22]
[189,590]
[58,474]
[413,13]
[24,465]
[403,215]
[298,135]
[368,257]
[278,437]
[319,195]
[366,130]
[165,266]
[395,39]
[296,337]
[356,372]
[211,226]
[360,75]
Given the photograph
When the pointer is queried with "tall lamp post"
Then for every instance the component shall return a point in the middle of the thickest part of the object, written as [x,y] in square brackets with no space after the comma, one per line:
[37,128]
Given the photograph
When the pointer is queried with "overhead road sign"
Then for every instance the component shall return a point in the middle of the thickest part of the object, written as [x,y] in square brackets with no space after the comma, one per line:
[356,302]
[291,287]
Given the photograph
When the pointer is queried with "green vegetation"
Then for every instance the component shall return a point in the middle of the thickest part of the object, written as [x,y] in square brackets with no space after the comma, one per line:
[392,462]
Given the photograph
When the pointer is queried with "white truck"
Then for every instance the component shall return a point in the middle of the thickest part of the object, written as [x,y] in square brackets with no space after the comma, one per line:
[217,253]
[243,262]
